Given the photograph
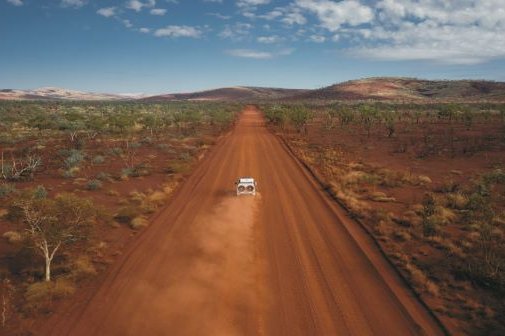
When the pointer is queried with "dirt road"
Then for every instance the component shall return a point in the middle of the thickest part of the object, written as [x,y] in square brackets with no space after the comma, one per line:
[286,262]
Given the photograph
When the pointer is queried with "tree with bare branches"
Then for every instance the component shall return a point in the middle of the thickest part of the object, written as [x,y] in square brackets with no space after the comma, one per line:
[52,224]
[18,169]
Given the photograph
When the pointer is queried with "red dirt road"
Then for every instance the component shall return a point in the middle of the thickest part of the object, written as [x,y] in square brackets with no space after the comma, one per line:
[286,262]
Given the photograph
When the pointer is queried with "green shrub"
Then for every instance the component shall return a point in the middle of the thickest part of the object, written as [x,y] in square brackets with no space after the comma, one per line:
[146,141]
[185,156]
[74,158]
[178,168]
[40,192]
[163,146]
[99,159]
[116,151]
[429,220]
[127,172]
[495,177]
[6,189]
[102,176]
[71,172]
[94,185]
[137,171]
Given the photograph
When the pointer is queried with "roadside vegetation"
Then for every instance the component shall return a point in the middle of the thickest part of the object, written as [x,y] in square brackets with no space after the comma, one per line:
[79,180]
[427,181]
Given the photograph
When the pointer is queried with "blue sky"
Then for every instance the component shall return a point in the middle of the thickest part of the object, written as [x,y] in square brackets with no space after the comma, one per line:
[155,46]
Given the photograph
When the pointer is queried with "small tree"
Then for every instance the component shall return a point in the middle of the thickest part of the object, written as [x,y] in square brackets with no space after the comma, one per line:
[346,115]
[368,115]
[389,120]
[299,116]
[18,169]
[429,225]
[52,224]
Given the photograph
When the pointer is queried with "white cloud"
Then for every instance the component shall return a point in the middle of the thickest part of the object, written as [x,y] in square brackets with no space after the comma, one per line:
[144,30]
[248,53]
[217,1]
[294,18]
[317,38]
[73,3]
[107,11]
[220,16]
[458,32]
[127,23]
[252,3]
[272,14]
[138,5]
[236,32]
[15,2]
[270,39]
[178,31]
[257,54]
[158,11]
[333,15]
[249,15]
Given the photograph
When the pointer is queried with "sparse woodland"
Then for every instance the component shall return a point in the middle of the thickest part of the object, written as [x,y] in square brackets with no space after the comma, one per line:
[428,182]
[78,180]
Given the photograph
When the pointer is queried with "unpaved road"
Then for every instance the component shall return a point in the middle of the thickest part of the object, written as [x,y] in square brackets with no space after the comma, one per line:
[286,262]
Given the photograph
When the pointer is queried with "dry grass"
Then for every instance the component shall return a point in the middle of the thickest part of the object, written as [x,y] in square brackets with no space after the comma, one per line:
[169,187]
[385,228]
[127,214]
[351,200]
[444,216]
[137,197]
[402,235]
[83,268]
[447,245]
[410,218]
[157,197]
[3,212]
[40,294]
[457,201]
[381,197]
[13,237]
[138,223]
[420,280]
[355,177]
[423,180]
[111,192]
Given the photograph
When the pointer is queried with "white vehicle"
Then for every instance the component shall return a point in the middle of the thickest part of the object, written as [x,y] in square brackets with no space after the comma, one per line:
[246,186]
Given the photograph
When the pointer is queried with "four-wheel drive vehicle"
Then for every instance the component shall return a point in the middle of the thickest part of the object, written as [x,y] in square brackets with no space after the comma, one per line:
[246,186]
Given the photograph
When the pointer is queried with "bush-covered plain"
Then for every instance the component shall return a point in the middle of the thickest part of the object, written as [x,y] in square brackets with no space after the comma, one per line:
[79,179]
[427,181]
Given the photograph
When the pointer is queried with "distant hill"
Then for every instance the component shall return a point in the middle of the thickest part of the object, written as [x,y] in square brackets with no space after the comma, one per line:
[382,88]
[231,93]
[51,93]
[409,89]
